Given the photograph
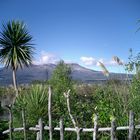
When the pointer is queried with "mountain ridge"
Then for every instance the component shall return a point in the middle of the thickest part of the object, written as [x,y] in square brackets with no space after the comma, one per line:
[44,72]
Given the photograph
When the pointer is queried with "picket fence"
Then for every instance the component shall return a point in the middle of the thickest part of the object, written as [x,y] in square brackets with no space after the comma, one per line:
[40,127]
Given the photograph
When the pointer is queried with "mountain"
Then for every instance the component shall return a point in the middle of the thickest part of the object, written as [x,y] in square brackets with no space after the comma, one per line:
[44,72]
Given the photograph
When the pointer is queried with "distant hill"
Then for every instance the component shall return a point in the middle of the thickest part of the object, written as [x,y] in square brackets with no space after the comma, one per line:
[44,72]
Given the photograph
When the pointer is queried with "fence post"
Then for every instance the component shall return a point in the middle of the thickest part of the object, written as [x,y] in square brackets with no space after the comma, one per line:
[10,121]
[113,129]
[37,136]
[49,112]
[131,126]
[24,124]
[40,129]
[61,129]
[95,127]
[78,130]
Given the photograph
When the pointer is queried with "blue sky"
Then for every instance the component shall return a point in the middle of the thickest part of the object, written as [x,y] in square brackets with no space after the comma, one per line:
[80,31]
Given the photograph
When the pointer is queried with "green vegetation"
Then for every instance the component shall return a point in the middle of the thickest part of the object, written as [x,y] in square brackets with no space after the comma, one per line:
[3,126]
[34,101]
[113,99]
[134,63]
[106,101]
[61,79]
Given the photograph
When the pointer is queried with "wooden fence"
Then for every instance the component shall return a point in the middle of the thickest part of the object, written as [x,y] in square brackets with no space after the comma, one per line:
[40,128]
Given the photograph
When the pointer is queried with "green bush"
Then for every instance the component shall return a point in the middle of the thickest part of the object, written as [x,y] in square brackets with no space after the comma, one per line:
[34,100]
[113,99]
[3,126]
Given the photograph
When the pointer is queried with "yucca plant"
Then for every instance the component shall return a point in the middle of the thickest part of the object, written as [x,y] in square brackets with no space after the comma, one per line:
[16,48]
[34,101]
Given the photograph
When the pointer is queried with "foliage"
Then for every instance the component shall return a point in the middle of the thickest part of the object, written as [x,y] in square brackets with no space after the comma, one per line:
[112,99]
[3,126]
[106,101]
[16,45]
[3,122]
[61,79]
[61,82]
[34,82]
[133,63]
[135,96]
[34,100]
[16,48]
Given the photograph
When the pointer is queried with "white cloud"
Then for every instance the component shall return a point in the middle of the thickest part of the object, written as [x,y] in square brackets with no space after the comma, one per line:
[111,62]
[89,61]
[46,58]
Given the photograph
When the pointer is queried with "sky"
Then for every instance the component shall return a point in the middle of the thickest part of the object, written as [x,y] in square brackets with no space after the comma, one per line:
[78,31]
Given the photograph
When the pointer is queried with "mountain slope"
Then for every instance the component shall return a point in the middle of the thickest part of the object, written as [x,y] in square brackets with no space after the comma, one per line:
[43,72]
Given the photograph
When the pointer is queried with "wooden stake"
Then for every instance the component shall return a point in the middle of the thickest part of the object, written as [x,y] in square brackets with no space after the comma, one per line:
[113,130]
[40,129]
[10,122]
[61,129]
[95,127]
[49,112]
[24,124]
[131,126]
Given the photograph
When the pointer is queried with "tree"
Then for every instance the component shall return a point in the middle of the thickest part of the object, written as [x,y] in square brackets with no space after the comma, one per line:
[16,47]
[61,79]
[61,82]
